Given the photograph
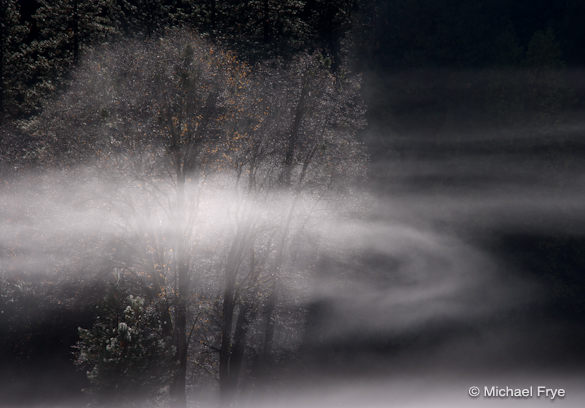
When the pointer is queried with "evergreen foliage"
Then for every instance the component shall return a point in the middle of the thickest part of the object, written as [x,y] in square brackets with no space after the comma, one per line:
[125,353]
[13,32]
[65,28]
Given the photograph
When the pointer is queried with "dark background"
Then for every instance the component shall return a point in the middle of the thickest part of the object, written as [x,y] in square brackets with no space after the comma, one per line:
[449,83]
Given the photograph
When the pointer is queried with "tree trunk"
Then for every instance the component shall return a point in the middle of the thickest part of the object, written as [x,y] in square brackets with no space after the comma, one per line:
[226,337]
[232,342]
[178,394]
[269,320]
[245,315]
[269,310]
[229,301]
[293,136]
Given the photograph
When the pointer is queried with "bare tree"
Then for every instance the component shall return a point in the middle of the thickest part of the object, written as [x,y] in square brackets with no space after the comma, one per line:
[305,144]
[152,116]
[179,130]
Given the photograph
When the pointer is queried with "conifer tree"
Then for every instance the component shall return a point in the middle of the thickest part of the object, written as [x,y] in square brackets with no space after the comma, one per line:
[266,28]
[12,36]
[125,354]
[144,18]
[66,28]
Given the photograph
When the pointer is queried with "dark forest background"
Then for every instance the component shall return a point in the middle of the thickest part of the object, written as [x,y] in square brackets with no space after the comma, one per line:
[430,67]
[448,59]
[42,41]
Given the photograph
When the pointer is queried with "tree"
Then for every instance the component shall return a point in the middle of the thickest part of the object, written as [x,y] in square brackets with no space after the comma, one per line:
[261,29]
[12,35]
[156,113]
[145,18]
[306,146]
[173,123]
[320,115]
[126,354]
[543,50]
[330,23]
[65,29]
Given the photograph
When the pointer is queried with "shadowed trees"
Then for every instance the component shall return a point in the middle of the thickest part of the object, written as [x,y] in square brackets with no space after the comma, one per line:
[12,48]
[150,115]
[305,146]
[47,40]
[118,351]
[172,124]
